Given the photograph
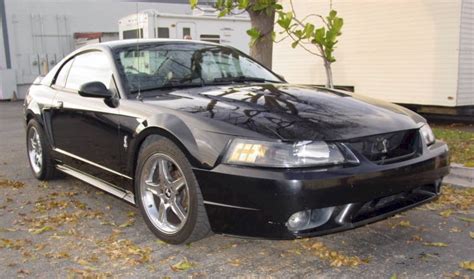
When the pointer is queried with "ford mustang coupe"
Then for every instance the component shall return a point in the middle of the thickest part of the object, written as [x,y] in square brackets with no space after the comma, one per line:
[201,138]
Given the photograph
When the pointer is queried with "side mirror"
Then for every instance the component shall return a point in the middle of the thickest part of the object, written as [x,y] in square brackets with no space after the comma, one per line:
[95,89]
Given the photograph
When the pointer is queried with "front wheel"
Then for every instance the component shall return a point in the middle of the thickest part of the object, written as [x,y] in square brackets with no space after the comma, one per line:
[168,194]
[39,152]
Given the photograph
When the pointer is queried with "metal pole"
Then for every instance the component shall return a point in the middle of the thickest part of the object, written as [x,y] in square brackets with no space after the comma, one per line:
[6,44]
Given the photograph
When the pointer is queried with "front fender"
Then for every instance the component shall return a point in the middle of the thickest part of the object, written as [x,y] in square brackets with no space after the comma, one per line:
[201,147]
[169,126]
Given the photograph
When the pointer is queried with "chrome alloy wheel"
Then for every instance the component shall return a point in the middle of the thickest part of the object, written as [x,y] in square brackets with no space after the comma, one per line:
[164,193]
[35,151]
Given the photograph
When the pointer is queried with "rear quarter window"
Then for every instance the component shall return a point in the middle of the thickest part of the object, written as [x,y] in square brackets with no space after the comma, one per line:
[63,73]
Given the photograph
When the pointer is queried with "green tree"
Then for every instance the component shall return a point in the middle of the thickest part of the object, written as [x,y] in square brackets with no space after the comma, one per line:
[318,41]
[262,18]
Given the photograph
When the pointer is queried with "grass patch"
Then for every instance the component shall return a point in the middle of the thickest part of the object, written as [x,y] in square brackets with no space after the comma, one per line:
[460,142]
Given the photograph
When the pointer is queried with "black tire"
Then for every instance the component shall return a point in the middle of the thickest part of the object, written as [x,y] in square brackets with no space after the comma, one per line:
[48,168]
[197,225]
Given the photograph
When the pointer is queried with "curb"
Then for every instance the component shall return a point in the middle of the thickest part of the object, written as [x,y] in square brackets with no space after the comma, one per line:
[460,176]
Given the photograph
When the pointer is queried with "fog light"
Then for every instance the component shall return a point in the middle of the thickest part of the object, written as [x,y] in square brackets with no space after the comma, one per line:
[299,220]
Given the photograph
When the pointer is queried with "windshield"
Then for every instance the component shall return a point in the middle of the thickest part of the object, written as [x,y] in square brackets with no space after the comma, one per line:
[150,67]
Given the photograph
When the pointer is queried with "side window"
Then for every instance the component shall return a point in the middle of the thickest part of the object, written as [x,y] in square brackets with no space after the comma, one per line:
[133,34]
[87,67]
[62,76]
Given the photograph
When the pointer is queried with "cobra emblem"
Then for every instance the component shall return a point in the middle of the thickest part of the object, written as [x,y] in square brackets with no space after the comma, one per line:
[381,145]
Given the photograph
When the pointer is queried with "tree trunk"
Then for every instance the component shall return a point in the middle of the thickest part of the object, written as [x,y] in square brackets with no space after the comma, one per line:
[262,51]
[327,67]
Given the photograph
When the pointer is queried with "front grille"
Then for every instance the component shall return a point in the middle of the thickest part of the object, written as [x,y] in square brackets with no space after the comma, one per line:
[388,148]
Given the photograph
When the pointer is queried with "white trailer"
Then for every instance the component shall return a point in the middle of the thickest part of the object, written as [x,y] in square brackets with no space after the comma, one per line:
[202,25]
[413,52]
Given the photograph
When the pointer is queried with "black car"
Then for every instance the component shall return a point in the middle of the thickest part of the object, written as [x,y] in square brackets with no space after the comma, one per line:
[201,138]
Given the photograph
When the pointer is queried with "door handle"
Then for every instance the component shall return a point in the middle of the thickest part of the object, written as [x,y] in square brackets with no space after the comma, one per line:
[57,105]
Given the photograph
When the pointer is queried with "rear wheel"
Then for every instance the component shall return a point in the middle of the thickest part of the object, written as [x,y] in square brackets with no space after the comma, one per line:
[39,152]
[168,194]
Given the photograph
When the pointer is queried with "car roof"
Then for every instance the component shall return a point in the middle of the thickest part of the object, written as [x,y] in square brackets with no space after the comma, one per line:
[132,42]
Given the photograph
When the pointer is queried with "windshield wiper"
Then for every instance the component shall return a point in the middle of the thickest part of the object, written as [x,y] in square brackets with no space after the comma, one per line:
[167,86]
[242,79]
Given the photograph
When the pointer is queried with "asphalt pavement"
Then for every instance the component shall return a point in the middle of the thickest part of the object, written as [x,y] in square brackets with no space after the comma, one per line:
[68,228]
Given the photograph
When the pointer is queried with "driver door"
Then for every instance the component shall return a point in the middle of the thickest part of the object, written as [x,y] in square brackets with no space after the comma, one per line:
[85,131]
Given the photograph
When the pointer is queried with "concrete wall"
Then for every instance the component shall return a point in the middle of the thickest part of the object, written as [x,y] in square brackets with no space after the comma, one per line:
[41,31]
[3,64]
[403,51]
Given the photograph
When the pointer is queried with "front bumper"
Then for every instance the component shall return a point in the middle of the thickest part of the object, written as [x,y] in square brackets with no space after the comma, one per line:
[255,202]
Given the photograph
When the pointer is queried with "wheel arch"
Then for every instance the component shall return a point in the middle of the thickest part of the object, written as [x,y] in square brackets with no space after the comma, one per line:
[29,115]
[140,139]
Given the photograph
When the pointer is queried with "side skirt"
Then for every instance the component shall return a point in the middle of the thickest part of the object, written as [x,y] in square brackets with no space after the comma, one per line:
[98,183]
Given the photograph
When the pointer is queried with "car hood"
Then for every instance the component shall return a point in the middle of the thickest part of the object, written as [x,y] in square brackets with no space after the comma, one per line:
[289,112]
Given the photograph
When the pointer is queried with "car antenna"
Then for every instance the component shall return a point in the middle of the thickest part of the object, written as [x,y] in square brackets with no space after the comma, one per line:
[137,55]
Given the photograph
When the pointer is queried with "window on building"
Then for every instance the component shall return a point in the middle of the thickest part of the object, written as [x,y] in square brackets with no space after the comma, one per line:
[87,67]
[133,34]
[163,32]
[186,31]
[211,38]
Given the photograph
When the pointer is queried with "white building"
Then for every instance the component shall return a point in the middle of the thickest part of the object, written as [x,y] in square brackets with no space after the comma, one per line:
[403,51]
[41,32]
[202,24]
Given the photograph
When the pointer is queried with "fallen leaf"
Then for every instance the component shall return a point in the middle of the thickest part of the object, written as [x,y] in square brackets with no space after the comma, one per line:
[446,213]
[235,262]
[403,223]
[416,238]
[436,244]
[335,258]
[129,223]
[58,255]
[123,251]
[426,256]
[455,230]
[466,219]
[460,198]
[16,244]
[394,276]
[23,272]
[108,223]
[182,265]
[87,273]
[83,262]
[42,230]
[471,234]
[8,230]
[40,246]
[11,183]
[468,265]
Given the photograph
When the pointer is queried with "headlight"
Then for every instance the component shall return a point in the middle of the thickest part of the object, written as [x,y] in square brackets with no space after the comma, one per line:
[285,155]
[427,134]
